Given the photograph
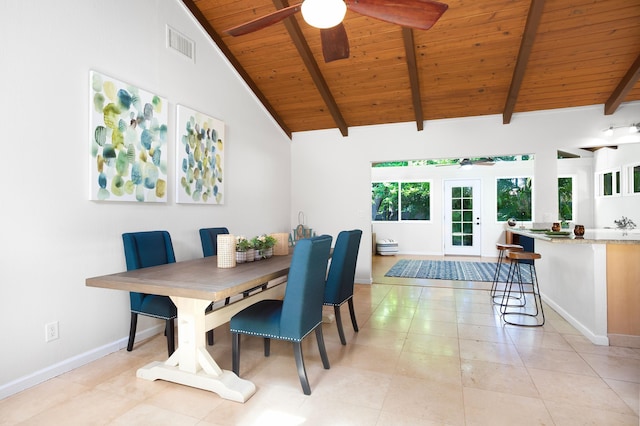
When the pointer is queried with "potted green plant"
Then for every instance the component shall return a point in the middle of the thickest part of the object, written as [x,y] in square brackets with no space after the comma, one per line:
[263,244]
[256,245]
[269,243]
[242,247]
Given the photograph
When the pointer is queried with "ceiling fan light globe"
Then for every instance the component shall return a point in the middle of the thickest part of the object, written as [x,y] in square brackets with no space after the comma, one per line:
[323,13]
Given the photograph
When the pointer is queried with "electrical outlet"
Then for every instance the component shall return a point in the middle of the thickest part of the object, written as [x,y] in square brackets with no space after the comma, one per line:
[51,331]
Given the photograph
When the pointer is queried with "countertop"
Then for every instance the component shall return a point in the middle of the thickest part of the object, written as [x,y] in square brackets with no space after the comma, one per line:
[591,236]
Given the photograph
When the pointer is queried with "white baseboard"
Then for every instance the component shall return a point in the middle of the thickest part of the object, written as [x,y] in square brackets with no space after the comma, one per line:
[594,338]
[37,377]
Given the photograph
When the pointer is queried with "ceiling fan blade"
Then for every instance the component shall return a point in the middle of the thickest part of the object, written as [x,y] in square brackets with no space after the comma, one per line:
[335,44]
[419,14]
[263,21]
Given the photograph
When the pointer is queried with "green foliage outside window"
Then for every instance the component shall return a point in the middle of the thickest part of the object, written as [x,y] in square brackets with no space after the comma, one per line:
[415,201]
[412,199]
[565,198]
[636,180]
[608,184]
[384,200]
[513,198]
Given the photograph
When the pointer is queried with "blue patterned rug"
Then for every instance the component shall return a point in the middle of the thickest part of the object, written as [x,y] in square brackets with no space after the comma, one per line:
[452,270]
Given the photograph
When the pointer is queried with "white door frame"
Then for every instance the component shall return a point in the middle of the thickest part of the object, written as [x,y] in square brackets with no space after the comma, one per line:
[475,248]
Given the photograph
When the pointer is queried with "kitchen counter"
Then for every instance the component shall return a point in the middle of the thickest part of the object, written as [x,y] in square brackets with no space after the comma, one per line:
[591,236]
[592,282]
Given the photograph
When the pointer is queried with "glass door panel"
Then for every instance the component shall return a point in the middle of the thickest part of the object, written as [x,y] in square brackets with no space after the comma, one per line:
[462,219]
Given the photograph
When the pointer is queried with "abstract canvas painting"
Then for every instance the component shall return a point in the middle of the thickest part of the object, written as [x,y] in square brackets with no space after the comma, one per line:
[128,136]
[199,158]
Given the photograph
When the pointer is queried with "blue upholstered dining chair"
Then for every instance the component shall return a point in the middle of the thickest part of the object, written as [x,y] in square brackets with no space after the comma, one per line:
[296,316]
[142,250]
[339,286]
[209,241]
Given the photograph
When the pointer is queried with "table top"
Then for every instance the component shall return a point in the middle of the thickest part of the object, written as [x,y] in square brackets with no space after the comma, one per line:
[197,279]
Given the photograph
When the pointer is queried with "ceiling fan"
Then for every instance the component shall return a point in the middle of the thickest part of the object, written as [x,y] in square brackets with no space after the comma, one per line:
[327,15]
[467,163]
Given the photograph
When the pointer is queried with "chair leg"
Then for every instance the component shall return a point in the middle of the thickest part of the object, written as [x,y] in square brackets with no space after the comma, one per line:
[171,343]
[336,310]
[235,353]
[352,312]
[302,373]
[321,348]
[496,275]
[132,331]
[267,346]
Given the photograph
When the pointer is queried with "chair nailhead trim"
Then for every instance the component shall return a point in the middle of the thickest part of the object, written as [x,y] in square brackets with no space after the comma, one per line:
[271,336]
[153,316]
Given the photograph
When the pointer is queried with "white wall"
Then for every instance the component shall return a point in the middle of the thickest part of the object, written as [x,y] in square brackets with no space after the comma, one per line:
[53,237]
[614,207]
[331,175]
[427,238]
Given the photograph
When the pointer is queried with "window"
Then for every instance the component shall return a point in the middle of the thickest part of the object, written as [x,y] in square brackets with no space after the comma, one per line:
[513,197]
[632,174]
[565,198]
[384,200]
[411,199]
[608,183]
[415,201]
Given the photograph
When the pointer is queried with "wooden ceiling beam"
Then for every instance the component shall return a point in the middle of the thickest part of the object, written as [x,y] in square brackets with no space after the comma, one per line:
[312,66]
[624,87]
[236,64]
[410,52]
[530,30]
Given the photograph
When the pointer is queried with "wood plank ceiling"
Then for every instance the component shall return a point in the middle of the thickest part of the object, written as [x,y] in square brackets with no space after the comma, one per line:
[482,57]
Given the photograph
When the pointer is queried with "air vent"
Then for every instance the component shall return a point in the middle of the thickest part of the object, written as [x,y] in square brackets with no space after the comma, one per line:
[181,44]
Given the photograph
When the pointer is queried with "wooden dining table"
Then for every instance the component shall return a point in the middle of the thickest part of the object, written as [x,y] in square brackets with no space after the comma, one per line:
[192,285]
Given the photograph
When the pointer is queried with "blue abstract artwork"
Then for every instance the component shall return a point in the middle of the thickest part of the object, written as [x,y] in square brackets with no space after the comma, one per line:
[199,158]
[128,142]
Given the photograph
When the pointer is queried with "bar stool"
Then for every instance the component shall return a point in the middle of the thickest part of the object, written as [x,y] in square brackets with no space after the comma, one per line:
[502,249]
[534,309]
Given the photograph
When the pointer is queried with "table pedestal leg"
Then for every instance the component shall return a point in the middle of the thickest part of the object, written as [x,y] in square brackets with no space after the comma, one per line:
[191,364]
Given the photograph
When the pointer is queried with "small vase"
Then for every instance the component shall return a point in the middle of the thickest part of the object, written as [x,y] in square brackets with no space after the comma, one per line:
[258,254]
[251,255]
[241,256]
[555,227]
[579,231]
[267,253]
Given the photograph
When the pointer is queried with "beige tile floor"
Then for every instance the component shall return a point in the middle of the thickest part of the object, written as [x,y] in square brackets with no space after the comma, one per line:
[428,353]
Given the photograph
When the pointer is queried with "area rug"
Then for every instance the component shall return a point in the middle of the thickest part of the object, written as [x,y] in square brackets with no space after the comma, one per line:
[452,270]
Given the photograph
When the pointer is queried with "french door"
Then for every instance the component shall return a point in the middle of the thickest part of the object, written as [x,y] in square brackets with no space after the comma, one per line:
[462,225]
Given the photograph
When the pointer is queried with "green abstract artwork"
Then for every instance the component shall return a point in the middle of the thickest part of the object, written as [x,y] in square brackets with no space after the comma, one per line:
[128,142]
